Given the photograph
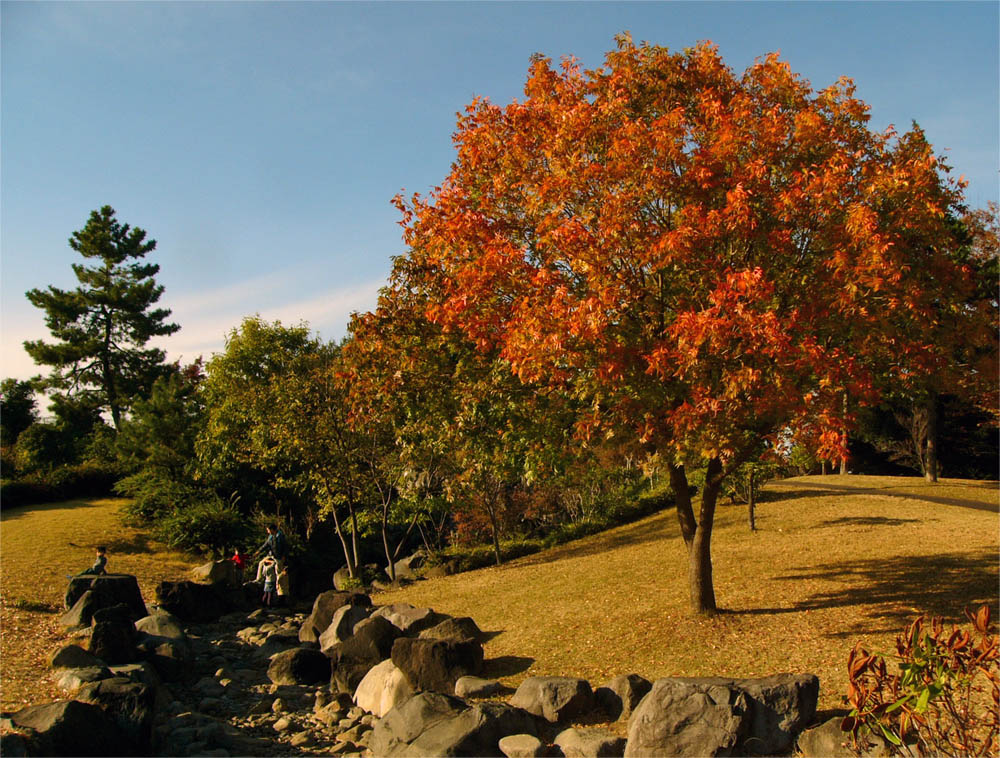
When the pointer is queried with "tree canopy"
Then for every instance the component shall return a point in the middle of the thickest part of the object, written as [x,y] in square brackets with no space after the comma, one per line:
[100,329]
[706,260]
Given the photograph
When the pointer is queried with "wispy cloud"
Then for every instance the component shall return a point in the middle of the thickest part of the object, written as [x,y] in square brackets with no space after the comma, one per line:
[206,317]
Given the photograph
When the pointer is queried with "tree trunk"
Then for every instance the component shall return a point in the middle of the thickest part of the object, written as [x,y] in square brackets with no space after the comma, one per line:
[930,449]
[700,551]
[351,568]
[751,501]
[682,500]
[822,469]
[843,439]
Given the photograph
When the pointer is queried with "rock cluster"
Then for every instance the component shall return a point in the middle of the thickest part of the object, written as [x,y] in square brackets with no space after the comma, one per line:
[345,677]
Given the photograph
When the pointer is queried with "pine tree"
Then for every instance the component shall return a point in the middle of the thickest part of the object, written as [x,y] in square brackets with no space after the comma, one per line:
[101,327]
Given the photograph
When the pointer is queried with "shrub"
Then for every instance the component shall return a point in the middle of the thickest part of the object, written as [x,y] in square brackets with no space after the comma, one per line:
[945,700]
[203,526]
[154,496]
[62,483]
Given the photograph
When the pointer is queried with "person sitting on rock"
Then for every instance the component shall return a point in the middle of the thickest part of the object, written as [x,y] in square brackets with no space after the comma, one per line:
[100,563]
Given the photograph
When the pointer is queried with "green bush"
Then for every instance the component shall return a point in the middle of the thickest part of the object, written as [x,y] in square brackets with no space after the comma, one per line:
[155,496]
[61,483]
[205,526]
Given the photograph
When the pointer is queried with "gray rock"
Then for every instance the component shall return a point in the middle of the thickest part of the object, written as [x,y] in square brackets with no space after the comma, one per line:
[299,666]
[68,727]
[383,688]
[73,657]
[554,698]
[161,623]
[473,686]
[825,741]
[222,572]
[589,743]
[521,746]
[619,697]
[409,620]
[342,625]
[142,672]
[371,642]
[681,717]
[461,628]
[114,637]
[192,602]
[781,706]
[436,664]
[406,568]
[131,705]
[326,604]
[106,590]
[277,642]
[434,724]
[70,680]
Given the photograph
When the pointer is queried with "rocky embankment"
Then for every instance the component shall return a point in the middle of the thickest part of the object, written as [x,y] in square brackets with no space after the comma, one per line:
[204,673]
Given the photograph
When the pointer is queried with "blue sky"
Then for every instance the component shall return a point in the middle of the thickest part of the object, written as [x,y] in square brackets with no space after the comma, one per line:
[260,143]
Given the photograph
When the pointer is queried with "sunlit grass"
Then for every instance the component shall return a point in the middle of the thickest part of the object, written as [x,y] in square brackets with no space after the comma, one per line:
[825,569]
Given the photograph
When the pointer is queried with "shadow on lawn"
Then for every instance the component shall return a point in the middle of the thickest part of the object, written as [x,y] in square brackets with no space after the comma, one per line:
[637,533]
[10,513]
[883,595]
[506,665]
[792,492]
[869,521]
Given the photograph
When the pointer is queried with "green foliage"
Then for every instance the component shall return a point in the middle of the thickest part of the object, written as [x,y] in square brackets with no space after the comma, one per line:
[60,483]
[203,526]
[100,328]
[154,496]
[945,698]
[802,460]
[41,447]
[17,409]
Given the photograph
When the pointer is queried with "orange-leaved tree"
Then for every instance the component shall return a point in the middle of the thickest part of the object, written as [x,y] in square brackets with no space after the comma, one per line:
[704,259]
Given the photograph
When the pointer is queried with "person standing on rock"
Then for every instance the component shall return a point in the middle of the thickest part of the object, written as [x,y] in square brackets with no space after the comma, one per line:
[267,570]
[274,546]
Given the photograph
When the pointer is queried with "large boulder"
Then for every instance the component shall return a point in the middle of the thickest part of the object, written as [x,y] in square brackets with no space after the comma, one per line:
[326,604]
[342,625]
[437,664]
[554,698]
[410,620]
[223,572]
[73,657]
[191,601]
[686,717]
[114,636]
[460,628]
[383,688]
[131,705]
[781,706]
[406,568]
[162,623]
[172,658]
[619,697]
[371,642]
[69,727]
[827,740]
[278,642]
[108,590]
[299,666]
[434,724]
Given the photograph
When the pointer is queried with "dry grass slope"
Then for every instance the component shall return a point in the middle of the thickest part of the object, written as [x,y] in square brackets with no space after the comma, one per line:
[39,546]
[835,560]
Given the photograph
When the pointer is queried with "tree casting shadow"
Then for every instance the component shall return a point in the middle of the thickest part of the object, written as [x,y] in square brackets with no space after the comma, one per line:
[887,593]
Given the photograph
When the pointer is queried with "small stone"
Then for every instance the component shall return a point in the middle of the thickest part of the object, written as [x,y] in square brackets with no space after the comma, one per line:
[279,705]
[355,713]
[282,724]
[521,746]
[323,697]
[261,706]
[301,739]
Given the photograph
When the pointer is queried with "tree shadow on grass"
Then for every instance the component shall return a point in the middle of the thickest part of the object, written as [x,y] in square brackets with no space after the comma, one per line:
[885,594]
[506,665]
[637,533]
[10,513]
[870,521]
[138,543]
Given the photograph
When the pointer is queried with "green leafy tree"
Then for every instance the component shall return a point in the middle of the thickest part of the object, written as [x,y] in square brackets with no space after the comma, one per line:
[17,409]
[100,329]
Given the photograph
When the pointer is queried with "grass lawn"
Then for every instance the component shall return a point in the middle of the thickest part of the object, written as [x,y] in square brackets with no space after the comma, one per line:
[39,546]
[835,560]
